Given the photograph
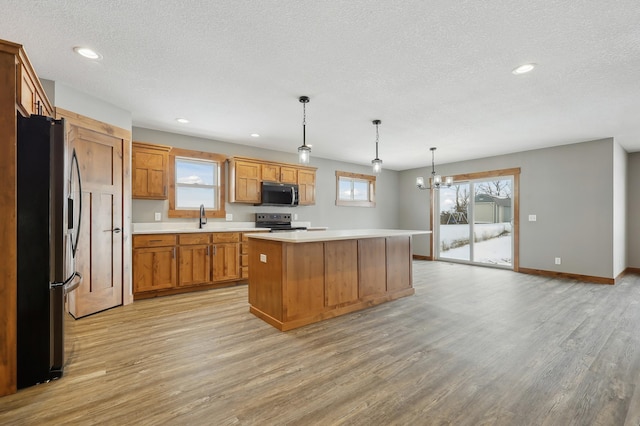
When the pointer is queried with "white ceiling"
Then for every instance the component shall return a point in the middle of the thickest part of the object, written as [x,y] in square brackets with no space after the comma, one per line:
[437,73]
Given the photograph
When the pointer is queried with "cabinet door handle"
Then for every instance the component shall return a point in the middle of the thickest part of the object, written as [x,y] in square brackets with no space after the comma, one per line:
[207,250]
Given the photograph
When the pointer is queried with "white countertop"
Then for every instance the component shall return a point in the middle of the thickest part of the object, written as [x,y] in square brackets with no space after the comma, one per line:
[345,234]
[190,227]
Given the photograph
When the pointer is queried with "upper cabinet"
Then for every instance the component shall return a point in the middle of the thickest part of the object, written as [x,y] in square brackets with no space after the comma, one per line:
[245,181]
[273,172]
[246,175]
[149,171]
[30,96]
[307,187]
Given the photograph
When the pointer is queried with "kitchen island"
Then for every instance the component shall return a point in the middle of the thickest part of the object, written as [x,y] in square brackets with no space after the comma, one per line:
[298,278]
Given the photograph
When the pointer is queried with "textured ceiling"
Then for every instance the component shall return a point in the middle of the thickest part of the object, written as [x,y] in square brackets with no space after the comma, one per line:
[437,73]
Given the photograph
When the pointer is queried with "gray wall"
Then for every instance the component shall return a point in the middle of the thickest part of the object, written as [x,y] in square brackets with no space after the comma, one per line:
[633,211]
[620,224]
[63,96]
[323,213]
[568,187]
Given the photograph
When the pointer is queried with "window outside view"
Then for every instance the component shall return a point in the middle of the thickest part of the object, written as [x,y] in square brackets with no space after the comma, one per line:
[487,214]
[196,184]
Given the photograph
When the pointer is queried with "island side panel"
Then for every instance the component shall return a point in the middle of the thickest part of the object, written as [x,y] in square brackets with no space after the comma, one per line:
[398,263]
[265,279]
[372,271]
[341,272]
[303,284]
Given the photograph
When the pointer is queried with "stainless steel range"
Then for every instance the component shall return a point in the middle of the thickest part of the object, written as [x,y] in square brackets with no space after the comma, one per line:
[276,222]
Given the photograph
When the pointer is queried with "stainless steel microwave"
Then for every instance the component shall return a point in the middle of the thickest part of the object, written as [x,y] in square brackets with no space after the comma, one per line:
[279,194]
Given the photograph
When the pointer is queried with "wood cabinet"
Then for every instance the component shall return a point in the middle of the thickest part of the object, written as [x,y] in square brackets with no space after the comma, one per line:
[30,96]
[297,283]
[154,262]
[245,181]
[176,263]
[273,172]
[288,174]
[307,187]
[194,254]
[226,256]
[149,169]
[247,174]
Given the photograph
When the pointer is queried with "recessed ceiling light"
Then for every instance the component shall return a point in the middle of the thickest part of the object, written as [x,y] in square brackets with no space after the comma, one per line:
[87,53]
[523,69]
[182,120]
[255,135]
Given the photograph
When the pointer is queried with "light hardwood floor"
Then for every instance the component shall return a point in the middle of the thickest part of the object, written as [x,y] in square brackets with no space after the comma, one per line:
[473,346]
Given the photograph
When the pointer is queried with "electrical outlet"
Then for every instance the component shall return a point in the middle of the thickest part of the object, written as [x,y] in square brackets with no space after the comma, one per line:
[158,216]
[558,261]
[263,258]
[295,216]
[532,218]
[229,217]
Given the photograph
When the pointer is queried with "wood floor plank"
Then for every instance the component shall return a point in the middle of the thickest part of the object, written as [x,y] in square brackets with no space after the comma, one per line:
[473,346]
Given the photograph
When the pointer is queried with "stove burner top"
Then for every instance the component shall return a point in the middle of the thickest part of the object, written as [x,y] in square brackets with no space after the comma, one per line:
[277,222]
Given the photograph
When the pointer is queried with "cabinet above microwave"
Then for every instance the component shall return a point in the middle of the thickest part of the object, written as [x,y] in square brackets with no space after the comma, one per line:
[246,176]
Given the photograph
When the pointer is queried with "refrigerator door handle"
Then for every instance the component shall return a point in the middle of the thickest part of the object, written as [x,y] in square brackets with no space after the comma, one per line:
[68,285]
[74,242]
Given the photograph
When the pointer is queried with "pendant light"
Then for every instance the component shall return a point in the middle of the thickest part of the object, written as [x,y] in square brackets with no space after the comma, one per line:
[304,151]
[436,179]
[376,162]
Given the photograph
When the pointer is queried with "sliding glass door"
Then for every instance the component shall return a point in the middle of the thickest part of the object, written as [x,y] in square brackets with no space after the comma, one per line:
[475,223]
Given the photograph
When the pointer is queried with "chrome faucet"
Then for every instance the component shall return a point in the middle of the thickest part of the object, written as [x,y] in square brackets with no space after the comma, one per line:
[203,219]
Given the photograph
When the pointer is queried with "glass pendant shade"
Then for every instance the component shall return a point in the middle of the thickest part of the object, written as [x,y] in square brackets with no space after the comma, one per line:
[304,151]
[377,165]
[304,154]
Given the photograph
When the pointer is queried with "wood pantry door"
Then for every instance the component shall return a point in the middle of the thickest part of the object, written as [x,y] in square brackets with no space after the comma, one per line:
[99,253]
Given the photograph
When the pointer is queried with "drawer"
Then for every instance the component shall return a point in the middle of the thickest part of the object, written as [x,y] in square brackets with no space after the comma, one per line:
[244,260]
[244,248]
[198,238]
[154,240]
[226,237]
[244,273]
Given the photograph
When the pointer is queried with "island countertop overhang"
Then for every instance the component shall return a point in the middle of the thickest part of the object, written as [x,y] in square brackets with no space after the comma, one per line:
[333,235]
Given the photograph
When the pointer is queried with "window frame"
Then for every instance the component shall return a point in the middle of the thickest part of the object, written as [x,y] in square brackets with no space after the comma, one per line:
[370,179]
[220,212]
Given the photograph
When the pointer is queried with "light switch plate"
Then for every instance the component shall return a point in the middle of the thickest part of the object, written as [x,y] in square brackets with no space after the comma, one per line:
[532,218]
[158,216]
[229,217]
[263,258]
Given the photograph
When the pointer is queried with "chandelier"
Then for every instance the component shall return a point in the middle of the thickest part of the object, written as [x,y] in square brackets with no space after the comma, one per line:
[436,179]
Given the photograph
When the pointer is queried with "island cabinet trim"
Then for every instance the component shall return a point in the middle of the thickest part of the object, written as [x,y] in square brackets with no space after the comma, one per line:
[295,284]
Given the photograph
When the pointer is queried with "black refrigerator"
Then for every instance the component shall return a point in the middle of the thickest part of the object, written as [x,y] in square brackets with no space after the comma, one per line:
[49,211]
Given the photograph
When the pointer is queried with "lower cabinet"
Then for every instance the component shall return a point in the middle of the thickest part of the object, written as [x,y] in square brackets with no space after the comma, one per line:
[226,261]
[176,263]
[154,262]
[226,256]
